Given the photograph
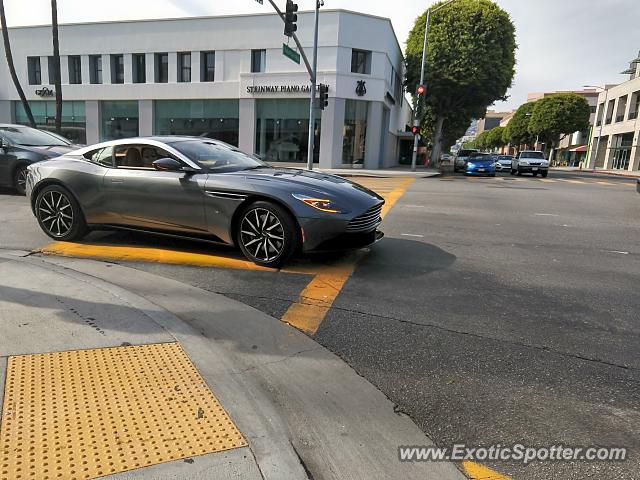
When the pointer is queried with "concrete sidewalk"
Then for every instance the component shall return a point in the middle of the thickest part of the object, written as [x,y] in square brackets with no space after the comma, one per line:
[615,173]
[304,412]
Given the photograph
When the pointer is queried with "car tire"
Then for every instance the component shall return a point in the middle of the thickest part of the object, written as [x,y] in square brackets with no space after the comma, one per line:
[544,174]
[20,179]
[519,173]
[272,243]
[535,174]
[59,214]
[492,175]
[513,172]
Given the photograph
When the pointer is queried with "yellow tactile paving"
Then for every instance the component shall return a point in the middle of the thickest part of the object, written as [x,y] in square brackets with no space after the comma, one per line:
[475,471]
[88,413]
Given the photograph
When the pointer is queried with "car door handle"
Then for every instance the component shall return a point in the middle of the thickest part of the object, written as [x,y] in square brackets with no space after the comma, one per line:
[117,180]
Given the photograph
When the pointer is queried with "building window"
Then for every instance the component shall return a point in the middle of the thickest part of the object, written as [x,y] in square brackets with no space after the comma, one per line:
[184,67]
[162,67]
[282,130]
[52,70]
[355,131]
[75,70]
[361,61]
[95,69]
[219,119]
[74,122]
[117,68]
[207,66]
[119,120]
[139,68]
[35,74]
[258,61]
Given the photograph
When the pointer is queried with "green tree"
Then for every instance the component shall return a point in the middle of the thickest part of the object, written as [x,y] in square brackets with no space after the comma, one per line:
[470,62]
[517,131]
[559,115]
[494,138]
[482,140]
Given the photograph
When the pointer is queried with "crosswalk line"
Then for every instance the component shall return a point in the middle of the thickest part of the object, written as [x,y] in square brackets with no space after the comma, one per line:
[547,180]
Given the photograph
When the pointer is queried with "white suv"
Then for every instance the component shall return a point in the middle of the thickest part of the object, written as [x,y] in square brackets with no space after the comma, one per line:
[530,161]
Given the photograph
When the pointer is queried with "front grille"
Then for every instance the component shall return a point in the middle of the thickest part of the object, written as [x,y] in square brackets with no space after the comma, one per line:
[534,163]
[366,222]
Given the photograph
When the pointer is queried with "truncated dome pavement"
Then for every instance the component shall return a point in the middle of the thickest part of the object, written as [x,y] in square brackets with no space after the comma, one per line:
[87,413]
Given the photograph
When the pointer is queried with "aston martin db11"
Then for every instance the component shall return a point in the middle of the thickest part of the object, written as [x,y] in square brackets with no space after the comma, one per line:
[201,189]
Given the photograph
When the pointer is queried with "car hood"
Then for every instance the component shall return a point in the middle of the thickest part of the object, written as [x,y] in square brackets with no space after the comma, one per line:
[50,150]
[481,162]
[311,183]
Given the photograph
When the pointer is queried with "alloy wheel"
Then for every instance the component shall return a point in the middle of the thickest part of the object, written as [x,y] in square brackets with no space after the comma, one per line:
[21,180]
[55,213]
[262,234]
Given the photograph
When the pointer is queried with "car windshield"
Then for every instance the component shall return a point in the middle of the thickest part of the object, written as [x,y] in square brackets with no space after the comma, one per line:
[504,157]
[217,157]
[480,157]
[30,137]
[465,153]
[538,155]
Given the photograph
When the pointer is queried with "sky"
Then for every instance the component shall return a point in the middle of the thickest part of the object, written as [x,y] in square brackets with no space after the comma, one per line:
[563,44]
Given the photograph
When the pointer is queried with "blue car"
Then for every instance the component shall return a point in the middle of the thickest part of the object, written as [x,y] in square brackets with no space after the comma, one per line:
[480,164]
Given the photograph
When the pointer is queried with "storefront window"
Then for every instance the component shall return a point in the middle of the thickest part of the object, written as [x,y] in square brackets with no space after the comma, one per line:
[119,119]
[74,123]
[355,131]
[282,131]
[218,119]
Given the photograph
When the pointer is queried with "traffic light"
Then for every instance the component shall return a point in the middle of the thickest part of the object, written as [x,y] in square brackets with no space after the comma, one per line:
[290,19]
[415,130]
[421,90]
[323,94]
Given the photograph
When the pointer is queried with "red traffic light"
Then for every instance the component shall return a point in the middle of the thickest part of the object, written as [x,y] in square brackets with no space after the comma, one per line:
[421,89]
[415,130]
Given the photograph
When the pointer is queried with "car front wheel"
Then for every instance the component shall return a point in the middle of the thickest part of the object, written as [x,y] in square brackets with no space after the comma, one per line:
[59,214]
[20,179]
[545,174]
[267,234]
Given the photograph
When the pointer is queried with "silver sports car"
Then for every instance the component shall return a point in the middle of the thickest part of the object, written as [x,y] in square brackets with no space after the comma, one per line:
[202,189]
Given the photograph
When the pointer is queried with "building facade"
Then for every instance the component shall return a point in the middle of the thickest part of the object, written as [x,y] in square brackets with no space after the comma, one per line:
[491,120]
[222,77]
[616,134]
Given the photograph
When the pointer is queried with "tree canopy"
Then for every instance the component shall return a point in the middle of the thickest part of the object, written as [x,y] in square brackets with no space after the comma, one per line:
[558,115]
[517,131]
[470,61]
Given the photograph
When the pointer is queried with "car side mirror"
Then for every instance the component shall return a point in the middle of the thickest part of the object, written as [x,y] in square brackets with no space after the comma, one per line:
[167,165]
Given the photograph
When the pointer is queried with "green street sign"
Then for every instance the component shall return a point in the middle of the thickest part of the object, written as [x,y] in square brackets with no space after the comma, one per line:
[290,53]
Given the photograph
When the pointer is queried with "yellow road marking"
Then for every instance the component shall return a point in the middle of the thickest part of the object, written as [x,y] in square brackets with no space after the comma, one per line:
[317,298]
[604,183]
[475,471]
[570,181]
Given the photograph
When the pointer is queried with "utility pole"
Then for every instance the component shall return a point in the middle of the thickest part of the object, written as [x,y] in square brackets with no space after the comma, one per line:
[312,102]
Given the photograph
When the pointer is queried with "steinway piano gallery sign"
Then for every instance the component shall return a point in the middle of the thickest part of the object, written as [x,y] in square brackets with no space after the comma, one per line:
[253,89]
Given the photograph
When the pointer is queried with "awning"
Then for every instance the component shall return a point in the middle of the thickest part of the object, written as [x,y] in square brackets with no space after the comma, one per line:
[581,148]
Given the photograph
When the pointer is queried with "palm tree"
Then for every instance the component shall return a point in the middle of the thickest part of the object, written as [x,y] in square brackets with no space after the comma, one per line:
[56,64]
[12,68]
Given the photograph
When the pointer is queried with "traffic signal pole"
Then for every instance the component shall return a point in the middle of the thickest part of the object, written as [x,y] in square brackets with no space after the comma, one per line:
[297,42]
[312,102]
[414,157]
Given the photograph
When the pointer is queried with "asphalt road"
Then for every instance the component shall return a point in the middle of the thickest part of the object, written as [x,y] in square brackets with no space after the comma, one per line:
[495,311]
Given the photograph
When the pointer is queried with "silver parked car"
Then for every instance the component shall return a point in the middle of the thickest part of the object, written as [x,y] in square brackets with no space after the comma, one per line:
[203,189]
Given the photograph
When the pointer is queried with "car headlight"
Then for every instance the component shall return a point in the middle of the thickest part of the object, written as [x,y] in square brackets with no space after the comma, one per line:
[322,204]
[471,164]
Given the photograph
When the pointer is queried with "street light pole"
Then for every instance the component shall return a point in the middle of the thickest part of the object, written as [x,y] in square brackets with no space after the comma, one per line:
[312,103]
[414,157]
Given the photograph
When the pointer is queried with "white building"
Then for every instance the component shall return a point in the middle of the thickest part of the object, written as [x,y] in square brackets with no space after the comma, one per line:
[225,77]
[616,135]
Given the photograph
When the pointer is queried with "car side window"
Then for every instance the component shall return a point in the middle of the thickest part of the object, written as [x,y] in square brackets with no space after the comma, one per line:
[138,156]
[101,156]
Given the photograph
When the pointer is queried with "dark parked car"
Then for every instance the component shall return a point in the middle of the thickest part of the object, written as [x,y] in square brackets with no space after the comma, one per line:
[21,146]
[203,189]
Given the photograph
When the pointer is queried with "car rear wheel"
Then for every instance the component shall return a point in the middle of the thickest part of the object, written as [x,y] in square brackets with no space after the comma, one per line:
[20,179]
[513,172]
[535,174]
[267,234]
[544,174]
[59,214]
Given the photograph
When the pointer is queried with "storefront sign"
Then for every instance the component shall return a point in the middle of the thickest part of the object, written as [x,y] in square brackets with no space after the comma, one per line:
[361,88]
[45,92]
[279,89]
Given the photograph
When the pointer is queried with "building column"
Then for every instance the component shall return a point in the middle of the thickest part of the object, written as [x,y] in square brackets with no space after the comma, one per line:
[93,116]
[173,67]
[44,70]
[195,67]
[608,154]
[5,112]
[128,67]
[247,120]
[149,66]
[634,155]
[331,133]
[145,118]
[372,153]
[64,69]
